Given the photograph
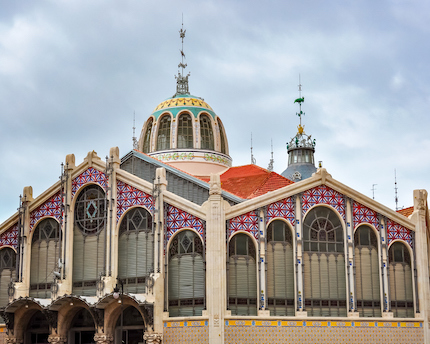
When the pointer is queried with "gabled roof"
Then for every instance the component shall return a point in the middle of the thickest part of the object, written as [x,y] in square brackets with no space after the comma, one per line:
[250,181]
[406,211]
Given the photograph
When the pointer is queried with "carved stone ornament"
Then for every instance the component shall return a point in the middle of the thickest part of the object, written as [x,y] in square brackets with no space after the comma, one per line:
[215,185]
[101,338]
[14,341]
[57,339]
[153,338]
[8,319]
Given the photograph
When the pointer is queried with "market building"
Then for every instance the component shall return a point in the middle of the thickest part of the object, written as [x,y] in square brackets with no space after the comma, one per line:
[171,244]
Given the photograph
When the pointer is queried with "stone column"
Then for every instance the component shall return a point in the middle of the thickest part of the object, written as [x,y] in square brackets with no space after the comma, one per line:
[352,312]
[153,338]
[299,259]
[101,338]
[215,261]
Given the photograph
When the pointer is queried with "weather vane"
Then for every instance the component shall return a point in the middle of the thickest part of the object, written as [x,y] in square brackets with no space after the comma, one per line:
[181,80]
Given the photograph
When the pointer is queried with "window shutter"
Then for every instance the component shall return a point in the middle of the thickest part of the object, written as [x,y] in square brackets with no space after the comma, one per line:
[4,284]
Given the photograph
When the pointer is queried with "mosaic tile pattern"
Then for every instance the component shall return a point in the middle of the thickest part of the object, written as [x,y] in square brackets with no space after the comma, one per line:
[247,222]
[323,195]
[188,102]
[322,332]
[10,237]
[128,196]
[362,214]
[284,208]
[177,219]
[51,207]
[186,332]
[396,231]
[90,175]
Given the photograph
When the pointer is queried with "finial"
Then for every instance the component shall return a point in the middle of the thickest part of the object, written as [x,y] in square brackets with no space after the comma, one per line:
[272,161]
[181,80]
[396,199]
[253,161]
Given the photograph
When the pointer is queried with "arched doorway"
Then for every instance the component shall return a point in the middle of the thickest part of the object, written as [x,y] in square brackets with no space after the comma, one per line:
[132,326]
[37,330]
[82,329]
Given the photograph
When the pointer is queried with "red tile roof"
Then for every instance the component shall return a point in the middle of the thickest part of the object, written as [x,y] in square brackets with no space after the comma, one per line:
[406,211]
[250,181]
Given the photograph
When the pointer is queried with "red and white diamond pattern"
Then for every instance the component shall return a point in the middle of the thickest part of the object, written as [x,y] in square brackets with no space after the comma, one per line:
[284,209]
[396,231]
[323,195]
[128,196]
[51,207]
[177,219]
[10,237]
[90,175]
[362,214]
[247,222]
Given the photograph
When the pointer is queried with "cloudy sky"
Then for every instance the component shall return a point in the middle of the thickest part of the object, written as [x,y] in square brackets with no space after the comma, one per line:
[72,73]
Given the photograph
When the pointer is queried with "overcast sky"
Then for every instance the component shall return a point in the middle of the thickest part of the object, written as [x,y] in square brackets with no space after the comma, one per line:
[72,73]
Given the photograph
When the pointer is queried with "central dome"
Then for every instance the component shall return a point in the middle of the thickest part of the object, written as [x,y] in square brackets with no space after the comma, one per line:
[185,132]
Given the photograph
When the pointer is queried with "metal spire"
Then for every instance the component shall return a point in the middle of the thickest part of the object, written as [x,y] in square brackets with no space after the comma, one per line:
[253,161]
[300,100]
[272,161]
[395,191]
[181,79]
[134,131]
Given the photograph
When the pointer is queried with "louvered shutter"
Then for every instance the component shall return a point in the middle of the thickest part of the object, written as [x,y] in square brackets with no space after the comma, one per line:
[4,284]
[123,270]
[34,268]
[78,259]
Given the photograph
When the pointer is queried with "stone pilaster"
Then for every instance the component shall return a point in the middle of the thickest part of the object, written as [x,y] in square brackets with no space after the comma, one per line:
[421,245]
[215,261]
[160,186]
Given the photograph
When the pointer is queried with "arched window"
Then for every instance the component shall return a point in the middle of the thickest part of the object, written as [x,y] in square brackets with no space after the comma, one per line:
[185,131]
[7,273]
[401,292]
[147,137]
[222,137]
[367,272]
[37,329]
[163,138]
[242,276]
[135,250]
[186,276]
[324,264]
[280,269]
[132,324]
[45,250]
[82,328]
[89,237]
[206,133]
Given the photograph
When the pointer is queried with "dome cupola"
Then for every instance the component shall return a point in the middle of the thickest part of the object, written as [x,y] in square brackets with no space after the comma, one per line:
[185,132]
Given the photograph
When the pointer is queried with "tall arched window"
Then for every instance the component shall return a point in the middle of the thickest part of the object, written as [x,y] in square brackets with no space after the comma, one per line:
[324,264]
[147,137]
[222,137]
[135,250]
[186,276]
[37,329]
[7,273]
[82,328]
[185,131]
[206,133]
[242,276]
[401,292]
[45,250]
[367,272]
[132,325]
[280,269]
[163,138]
[89,237]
